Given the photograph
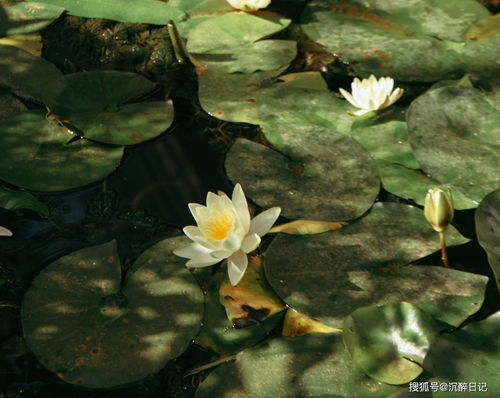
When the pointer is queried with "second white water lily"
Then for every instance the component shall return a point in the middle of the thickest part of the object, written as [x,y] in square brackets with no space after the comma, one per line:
[224,230]
[372,94]
[249,5]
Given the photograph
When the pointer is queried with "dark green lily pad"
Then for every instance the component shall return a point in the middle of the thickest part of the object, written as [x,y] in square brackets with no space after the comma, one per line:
[336,272]
[390,342]
[139,11]
[10,105]
[320,174]
[414,184]
[487,229]
[232,42]
[421,41]
[455,135]
[14,200]
[94,102]
[82,326]
[204,7]
[28,17]
[314,365]
[25,74]
[39,154]
[468,356]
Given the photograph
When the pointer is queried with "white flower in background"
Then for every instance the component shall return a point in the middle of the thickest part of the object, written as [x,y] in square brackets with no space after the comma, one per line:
[225,230]
[372,94]
[5,232]
[249,5]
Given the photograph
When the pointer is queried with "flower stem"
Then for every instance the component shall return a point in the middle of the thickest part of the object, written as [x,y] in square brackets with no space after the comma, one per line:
[444,254]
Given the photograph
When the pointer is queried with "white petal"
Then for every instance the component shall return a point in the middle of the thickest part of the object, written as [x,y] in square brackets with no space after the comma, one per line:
[191,251]
[232,242]
[195,234]
[361,112]
[236,267]
[241,207]
[5,232]
[250,243]
[213,200]
[261,224]
[395,96]
[203,260]
[348,97]
[194,208]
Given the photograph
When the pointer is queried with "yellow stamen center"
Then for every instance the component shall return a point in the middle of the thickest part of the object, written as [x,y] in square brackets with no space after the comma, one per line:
[217,226]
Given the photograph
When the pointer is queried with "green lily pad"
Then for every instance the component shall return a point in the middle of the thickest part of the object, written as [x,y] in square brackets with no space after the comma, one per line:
[421,41]
[320,174]
[314,365]
[13,200]
[467,356]
[455,135]
[486,28]
[487,227]
[232,42]
[40,155]
[414,184]
[197,7]
[25,74]
[390,342]
[10,105]
[82,326]
[28,17]
[324,281]
[94,102]
[139,11]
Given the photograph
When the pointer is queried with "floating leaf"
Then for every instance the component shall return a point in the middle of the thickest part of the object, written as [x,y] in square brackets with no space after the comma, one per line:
[13,200]
[421,41]
[231,42]
[487,227]
[319,174]
[139,11]
[94,102]
[486,28]
[10,105]
[390,342]
[314,365]
[468,356]
[105,335]
[335,272]
[24,73]
[31,43]
[304,227]
[40,155]
[414,184]
[297,324]
[197,7]
[28,17]
[454,132]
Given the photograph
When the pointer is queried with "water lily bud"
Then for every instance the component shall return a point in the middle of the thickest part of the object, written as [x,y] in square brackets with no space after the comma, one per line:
[438,208]
[249,5]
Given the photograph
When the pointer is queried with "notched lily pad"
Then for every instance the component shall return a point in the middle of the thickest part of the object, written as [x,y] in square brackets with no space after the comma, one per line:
[39,154]
[454,133]
[319,174]
[321,280]
[82,326]
[97,104]
[390,342]
[28,17]
[314,365]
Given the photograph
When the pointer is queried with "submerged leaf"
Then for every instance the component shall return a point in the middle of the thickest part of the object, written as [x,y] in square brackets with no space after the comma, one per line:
[13,200]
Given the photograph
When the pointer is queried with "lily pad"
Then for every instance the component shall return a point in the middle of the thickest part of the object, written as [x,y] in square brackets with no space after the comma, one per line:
[94,102]
[139,11]
[318,173]
[455,135]
[314,365]
[414,184]
[28,17]
[334,273]
[106,335]
[487,229]
[39,154]
[10,105]
[14,200]
[486,28]
[232,42]
[197,7]
[25,74]
[390,342]
[468,356]
[421,41]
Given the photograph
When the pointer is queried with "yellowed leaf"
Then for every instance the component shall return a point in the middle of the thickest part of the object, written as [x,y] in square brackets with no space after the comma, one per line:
[297,324]
[31,43]
[305,227]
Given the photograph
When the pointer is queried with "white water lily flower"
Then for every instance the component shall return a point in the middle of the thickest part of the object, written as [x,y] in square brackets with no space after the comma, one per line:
[225,230]
[5,232]
[372,94]
[249,5]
